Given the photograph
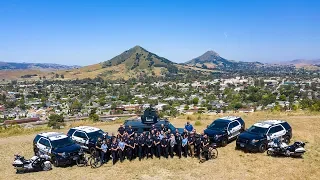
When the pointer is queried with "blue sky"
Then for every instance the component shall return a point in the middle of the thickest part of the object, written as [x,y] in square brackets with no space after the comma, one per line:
[87,32]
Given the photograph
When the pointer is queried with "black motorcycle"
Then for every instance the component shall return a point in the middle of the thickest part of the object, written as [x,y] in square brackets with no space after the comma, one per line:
[36,163]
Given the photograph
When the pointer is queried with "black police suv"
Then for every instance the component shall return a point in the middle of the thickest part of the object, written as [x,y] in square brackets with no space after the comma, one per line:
[86,136]
[147,120]
[225,129]
[258,137]
[58,146]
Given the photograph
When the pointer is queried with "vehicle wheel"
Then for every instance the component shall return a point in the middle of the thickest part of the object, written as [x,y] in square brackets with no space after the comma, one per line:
[262,148]
[92,151]
[81,161]
[286,139]
[270,153]
[224,142]
[95,162]
[55,161]
[214,153]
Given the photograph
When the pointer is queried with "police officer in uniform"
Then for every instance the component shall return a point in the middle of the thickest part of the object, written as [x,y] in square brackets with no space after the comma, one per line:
[130,131]
[149,146]
[141,142]
[191,140]
[130,148]
[197,145]
[157,145]
[98,147]
[164,146]
[163,128]
[178,144]
[114,150]
[136,144]
[121,131]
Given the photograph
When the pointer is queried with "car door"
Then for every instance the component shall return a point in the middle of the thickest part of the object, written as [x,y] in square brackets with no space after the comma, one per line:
[44,146]
[271,134]
[80,138]
[233,129]
[279,131]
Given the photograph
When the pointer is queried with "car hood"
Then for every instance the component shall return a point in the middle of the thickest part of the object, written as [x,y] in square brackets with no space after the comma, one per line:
[68,149]
[181,130]
[213,132]
[248,135]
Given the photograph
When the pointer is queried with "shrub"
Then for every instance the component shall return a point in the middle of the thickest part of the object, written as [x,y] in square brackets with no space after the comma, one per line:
[188,118]
[197,123]
[55,121]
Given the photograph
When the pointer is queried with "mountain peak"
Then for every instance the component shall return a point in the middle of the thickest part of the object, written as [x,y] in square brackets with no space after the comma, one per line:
[212,52]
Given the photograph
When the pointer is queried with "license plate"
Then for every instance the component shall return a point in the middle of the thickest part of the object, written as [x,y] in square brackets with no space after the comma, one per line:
[241,145]
[75,158]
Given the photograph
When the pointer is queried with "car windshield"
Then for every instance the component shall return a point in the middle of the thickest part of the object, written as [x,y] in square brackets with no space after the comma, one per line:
[94,135]
[257,130]
[218,125]
[62,142]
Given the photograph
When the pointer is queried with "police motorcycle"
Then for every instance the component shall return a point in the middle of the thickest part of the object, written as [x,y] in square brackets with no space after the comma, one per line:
[279,148]
[36,163]
[208,153]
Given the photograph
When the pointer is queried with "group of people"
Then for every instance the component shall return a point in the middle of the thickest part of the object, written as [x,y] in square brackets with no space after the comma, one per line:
[158,142]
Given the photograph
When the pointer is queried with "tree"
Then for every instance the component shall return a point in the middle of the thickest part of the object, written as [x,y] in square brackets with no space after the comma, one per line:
[93,116]
[57,75]
[56,121]
[195,101]
[282,97]
[113,106]
[186,107]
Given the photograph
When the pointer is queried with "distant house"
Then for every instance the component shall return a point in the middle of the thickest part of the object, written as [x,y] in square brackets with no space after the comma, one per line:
[246,110]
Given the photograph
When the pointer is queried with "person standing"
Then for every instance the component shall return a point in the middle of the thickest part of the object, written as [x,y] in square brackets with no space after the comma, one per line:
[121,149]
[136,145]
[114,150]
[164,146]
[149,146]
[98,147]
[172,143]
[121,131]
[188,127]
[141,146]
[104,150]
[163,128]
[191,141]
[197,144]
[130,148]
[157,145]
[178,144]
[154,129]
[130,131]
[185,145]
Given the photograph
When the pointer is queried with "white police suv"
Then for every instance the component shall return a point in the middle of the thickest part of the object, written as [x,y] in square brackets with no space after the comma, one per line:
[261,134]
[57,145]
[225,129]
[86,136]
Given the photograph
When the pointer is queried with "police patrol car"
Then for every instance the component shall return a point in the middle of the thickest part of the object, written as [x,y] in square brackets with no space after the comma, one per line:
[260,135]
[86,136]
[225,129]
[57,145]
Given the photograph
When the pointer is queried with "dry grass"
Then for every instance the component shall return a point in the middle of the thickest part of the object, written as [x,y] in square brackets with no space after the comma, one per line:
[230,164]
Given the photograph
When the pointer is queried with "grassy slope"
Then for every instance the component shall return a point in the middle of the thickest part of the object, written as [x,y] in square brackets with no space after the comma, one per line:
[230,164]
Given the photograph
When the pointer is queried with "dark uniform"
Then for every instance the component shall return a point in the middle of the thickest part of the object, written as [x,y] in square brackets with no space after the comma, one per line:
[197,145]
[136,149]
[149,146]
[164,146]
[141,143]
[157,146]
[114,150]
[130,148]
[178,145]
[164,129]
[130,132]
[98,148]
[121,131]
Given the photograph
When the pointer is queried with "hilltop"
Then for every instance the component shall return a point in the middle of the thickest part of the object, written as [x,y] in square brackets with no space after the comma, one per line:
[132,63]
[212,60]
